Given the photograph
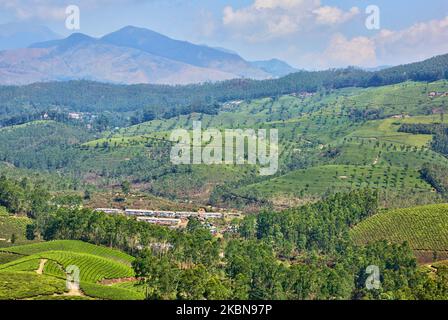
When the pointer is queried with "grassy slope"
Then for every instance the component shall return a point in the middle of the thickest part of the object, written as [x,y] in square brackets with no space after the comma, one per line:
[307,127]
[10,225]
[72,246]
[95,263]
[311,126]
[92,268]
[22,285]
[322,179]
[424,228]
[376,155]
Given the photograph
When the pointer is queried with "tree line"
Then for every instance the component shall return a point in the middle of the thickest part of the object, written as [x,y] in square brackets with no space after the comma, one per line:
[164,101]
[439,131]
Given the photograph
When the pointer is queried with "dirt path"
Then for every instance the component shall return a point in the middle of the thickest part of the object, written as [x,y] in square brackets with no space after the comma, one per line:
[109,282]
[376,161]
[41,266]
[74,292]
[430,266]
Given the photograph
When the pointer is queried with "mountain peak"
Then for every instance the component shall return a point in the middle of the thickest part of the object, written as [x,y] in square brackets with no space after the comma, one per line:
[134,29]
[275,67]
[133,55]
[135,37]
[72,40]
[79,37]
[183,51]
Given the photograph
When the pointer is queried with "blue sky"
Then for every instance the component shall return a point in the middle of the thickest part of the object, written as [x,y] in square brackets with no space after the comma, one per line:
[311,34]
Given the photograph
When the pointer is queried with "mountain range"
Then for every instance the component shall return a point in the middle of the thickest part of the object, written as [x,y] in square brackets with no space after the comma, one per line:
[130,55]
[275,67]
[19,35]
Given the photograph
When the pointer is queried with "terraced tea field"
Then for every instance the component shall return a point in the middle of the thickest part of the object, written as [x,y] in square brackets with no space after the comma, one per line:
[324,179]
[23,285]
[72,246]
[92,268]
[424,228]
[322,135]
[9,226]
[47,262]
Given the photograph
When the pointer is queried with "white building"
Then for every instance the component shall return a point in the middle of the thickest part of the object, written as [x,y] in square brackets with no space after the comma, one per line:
[109,210]
[160,221]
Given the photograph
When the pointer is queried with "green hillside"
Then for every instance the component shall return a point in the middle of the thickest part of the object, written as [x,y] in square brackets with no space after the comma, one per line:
[336,139]
[424,228]
[72,247]
[22,285]
[87,96]
[331,178]
[48,142]
[44,265]
[362,180]
[12,227]
[92,268]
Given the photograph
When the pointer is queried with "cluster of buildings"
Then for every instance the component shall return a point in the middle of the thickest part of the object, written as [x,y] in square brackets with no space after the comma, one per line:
[435,94]
[401,116]
[303,95]
[75,115]
[165,218]
[169,222]
[232,104]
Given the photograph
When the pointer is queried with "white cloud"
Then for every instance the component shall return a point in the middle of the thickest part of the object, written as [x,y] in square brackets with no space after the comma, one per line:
[359,51]
[305,25]
[271,4]
[269,19]
[417,42]
[333,15]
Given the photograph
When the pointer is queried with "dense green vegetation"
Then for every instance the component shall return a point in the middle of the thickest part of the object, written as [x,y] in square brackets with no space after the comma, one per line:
[169,101]
[291,255]
[49,142]
[96,228]
[12,229]
[322,226]
[110,293]
[350,138]
[22,197]
[436,175]
[303,253]
[423,228]
[352,143]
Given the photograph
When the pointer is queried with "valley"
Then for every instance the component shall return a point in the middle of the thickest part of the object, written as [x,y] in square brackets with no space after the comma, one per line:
[361,181]
[332,141]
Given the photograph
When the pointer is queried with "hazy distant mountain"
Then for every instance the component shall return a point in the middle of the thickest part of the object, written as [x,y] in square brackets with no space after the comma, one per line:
[128,56]
[225,50]
[183,51]
[82,57]
[21,35]
[275,67]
